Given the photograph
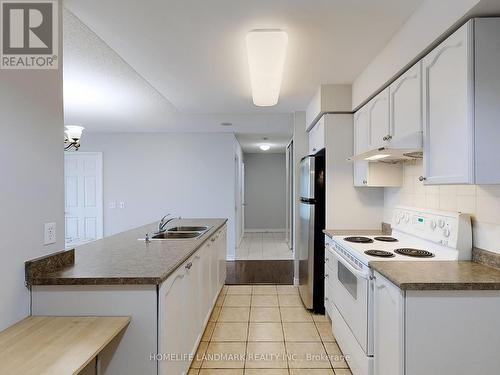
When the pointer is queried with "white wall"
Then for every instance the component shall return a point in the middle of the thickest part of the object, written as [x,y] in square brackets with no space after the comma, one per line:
[31,184]
[265,185]
[426,24]
[481,201]
[188,175]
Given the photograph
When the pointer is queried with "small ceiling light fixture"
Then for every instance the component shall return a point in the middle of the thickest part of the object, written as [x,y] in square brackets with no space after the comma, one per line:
[72,136]
[264,147]
[266,51]
[226,124]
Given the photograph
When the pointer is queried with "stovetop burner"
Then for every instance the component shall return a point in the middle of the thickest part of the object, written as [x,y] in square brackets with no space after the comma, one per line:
[417,253]
[379,253]
[358,239]
[386,239]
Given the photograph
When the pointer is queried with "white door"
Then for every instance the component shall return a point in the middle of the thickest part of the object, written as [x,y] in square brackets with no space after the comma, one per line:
[448,111]
[83,197]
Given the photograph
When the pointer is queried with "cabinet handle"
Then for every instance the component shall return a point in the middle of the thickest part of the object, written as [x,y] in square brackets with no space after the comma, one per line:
[365,182]
[387,137]
[189,265]
[422,178]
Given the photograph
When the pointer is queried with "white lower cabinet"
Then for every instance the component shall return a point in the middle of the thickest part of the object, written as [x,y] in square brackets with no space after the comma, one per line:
[435,331]
[186,300]
[388,315]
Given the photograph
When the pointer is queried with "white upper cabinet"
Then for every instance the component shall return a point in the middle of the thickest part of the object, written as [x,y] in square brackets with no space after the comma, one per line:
[461,80]
[378,120]
[361,131]
[405,102]
[448,110]
[317,136]
[367,174]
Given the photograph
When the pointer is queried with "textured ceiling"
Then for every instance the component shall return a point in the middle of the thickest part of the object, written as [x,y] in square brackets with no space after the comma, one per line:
[104,94]
[193,52]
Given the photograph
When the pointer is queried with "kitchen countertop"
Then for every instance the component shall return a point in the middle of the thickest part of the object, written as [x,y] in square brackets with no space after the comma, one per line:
[353,232]
[439,275]
[122,259]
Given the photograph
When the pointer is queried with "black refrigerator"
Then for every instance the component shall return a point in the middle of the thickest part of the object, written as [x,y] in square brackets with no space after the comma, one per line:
[311,246]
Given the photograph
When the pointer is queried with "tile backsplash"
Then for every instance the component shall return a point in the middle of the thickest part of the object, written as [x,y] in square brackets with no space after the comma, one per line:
[480,201]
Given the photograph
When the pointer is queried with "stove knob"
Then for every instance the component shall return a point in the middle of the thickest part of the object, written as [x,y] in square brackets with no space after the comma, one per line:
[432,224]
[440,223]
[446,232]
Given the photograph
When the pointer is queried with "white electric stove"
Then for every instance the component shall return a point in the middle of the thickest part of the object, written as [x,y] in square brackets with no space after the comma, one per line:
[417,235]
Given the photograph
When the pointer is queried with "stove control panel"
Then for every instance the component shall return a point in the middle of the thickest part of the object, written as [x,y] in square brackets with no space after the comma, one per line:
[452,229]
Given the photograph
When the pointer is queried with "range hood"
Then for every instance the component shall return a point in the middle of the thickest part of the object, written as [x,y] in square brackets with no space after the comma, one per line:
[385,154]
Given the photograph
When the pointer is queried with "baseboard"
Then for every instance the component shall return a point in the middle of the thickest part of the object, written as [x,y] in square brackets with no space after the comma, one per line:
[265,230]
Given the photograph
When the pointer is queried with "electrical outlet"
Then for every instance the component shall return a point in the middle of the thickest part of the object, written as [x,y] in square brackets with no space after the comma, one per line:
[49,234]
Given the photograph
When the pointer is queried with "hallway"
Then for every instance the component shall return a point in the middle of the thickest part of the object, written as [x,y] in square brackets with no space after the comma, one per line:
[263,246]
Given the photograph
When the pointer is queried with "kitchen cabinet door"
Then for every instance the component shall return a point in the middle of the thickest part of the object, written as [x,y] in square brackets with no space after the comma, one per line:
[222,256]
[448,111]
[214,266]
[196,311]
[406,109]
[174,324]
[317,137]
[361,131]
[378,120]
[388,321]
[204,291]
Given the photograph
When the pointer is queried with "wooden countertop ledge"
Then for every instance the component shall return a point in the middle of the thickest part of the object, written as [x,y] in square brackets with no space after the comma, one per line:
[56,345]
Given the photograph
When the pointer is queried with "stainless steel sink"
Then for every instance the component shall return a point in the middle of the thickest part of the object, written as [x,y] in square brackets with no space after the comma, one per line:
[186,228]
[176,235]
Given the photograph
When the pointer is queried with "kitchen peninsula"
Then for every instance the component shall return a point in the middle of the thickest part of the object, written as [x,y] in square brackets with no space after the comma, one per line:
[167,286]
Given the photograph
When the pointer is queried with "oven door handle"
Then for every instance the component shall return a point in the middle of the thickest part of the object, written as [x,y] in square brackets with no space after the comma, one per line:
[345,263]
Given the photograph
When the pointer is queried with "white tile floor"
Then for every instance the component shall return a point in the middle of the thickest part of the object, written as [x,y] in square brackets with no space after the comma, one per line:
[263,245]
[265,330]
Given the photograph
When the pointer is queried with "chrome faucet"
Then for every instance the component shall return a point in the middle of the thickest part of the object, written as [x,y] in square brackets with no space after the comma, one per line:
[163,223]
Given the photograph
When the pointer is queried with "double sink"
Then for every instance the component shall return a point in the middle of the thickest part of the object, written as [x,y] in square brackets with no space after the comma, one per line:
[181,233]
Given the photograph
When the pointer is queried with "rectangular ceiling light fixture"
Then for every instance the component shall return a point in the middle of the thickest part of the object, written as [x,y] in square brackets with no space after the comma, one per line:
[266,58]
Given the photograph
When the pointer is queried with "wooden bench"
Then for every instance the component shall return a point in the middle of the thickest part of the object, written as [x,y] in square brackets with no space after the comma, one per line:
[56,345]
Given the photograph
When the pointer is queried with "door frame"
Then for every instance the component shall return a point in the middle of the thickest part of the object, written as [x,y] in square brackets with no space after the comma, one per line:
[99,189]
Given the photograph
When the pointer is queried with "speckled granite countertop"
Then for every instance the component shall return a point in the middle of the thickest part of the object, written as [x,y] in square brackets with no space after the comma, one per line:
[122,259]
[439,275]
[353,232]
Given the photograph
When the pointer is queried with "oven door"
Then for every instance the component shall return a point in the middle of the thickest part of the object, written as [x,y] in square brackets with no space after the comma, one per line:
[350,295]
